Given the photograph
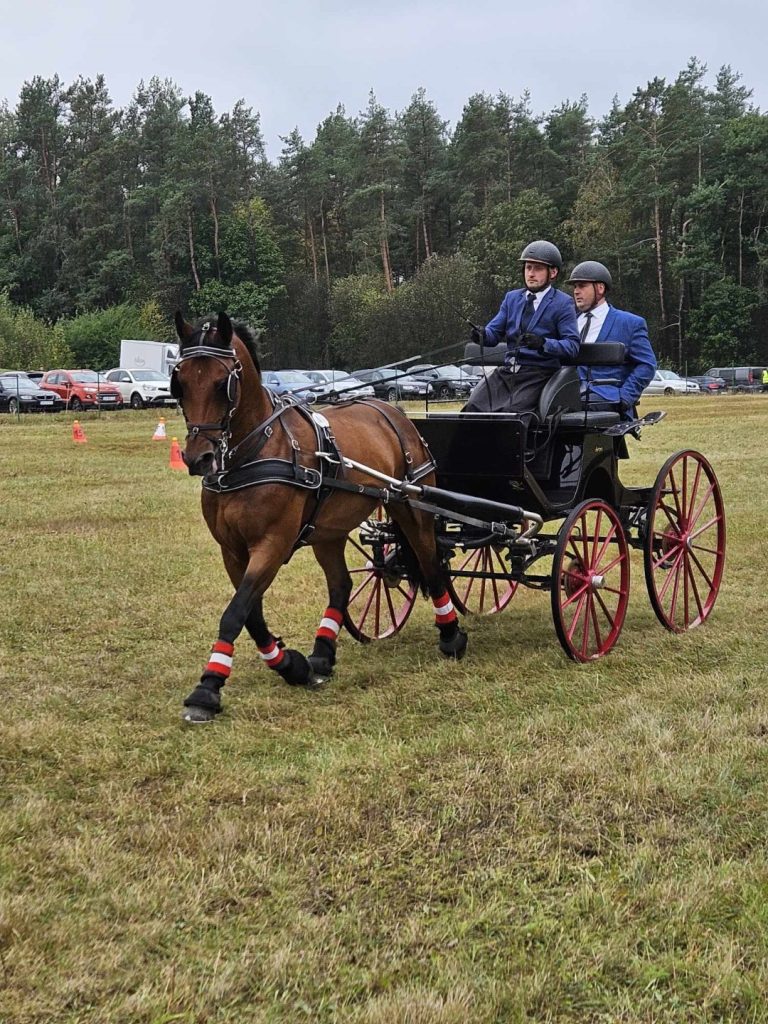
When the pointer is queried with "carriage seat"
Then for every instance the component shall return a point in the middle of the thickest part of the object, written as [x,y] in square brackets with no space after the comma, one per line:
[604,414]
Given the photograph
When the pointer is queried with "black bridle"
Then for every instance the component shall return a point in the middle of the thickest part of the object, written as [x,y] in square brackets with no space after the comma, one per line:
[219,433]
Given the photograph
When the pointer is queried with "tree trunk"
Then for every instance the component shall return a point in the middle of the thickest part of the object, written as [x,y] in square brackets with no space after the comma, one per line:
[192,250]
[427,246]
[418,247]
[659,263]
[128,232]
[325,246]
[681,299]
[309,229]
[741,240]
[385,247]
[215,215]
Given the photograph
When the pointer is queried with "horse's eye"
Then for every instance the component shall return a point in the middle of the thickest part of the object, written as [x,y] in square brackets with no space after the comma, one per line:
[221,385]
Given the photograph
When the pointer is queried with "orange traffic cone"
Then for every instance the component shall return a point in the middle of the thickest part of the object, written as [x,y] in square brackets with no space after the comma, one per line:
[176,461]
[160,434]
[78,434]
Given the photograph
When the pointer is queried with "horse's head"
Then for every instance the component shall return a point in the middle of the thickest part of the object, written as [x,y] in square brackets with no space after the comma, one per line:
[206,381]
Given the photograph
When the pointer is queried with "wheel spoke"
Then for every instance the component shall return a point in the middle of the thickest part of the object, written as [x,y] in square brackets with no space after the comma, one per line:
[596,540]
[694,492]
[702,570]
[676,589]
[670,514]
[595,624]
[612,565]
[700,509]
[610,616]
[575,619]
[666,555]
[575,594]
[695,590]
[609,537]
[585,634]
[675,492]
[672,569]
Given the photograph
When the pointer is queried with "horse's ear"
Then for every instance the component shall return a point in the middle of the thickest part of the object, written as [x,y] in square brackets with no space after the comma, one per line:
[183,329]
[224,327]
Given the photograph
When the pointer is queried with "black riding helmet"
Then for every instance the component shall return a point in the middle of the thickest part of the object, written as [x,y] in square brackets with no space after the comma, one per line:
[542,251]
[592,272]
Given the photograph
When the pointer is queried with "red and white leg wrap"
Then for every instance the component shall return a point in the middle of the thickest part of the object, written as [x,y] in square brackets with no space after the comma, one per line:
[272,654]
[444,610]
[330,624]
[220,660]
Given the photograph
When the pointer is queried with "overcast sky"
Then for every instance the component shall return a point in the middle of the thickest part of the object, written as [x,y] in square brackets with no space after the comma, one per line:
[293,60]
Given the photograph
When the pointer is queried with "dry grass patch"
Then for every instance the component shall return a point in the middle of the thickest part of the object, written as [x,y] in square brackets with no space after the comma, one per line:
[512,838]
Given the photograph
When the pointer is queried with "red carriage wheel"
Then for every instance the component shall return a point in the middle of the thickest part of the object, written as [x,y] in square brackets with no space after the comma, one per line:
[684,550]
[590,581]
[474,594]
[380,602]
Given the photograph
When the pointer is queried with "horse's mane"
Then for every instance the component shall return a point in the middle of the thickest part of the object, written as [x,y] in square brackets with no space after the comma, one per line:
[242,330]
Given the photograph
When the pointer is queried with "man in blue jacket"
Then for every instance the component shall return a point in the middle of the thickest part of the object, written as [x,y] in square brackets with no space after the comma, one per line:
[598,321]
[538,324]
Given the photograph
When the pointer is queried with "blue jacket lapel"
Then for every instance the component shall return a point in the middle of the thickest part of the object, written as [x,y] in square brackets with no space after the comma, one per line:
[605,330]
[542,306]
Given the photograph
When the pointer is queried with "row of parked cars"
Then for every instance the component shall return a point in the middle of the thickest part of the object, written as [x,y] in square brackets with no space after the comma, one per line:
[79,390]
[391,383]
[716,380]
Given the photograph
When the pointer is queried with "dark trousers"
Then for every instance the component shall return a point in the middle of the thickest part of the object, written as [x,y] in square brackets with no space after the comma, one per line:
[505,391]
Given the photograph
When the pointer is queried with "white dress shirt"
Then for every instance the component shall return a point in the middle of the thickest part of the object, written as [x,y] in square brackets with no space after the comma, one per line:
[538,296]
[599,313]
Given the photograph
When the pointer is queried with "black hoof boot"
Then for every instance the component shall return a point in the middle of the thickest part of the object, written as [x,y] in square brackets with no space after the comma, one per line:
[204,703]
[455,647]
[295,669]
[322,659]
[321,666]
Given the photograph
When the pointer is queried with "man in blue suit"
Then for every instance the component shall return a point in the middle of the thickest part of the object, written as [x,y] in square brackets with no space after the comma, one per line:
[538,324]
[598,321]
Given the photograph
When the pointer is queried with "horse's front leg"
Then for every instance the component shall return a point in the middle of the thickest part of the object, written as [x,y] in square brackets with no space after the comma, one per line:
[245,609]
[330,555]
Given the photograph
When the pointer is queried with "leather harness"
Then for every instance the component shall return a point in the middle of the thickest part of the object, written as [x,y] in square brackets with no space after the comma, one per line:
[242,468]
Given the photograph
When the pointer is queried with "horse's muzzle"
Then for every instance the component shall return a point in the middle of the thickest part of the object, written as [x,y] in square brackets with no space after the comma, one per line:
[198,465]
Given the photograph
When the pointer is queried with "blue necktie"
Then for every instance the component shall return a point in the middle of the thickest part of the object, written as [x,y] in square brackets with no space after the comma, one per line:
[527,316]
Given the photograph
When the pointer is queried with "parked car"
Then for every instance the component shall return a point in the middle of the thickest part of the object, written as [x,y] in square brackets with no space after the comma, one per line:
[667,382]
[83,389]
[20,394]
[34,374]
[447,381]
[284,381]
[711,385]
[393,384]
[142,388]
[338,385]
[740,378]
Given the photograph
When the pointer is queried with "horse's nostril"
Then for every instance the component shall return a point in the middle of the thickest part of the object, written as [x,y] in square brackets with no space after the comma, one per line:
[201,465]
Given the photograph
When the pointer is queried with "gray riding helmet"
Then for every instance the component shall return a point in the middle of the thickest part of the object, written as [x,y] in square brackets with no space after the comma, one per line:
[591,271]
[542,251]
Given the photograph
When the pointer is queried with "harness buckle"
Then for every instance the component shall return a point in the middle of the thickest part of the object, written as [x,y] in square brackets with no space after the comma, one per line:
[295,445]
[312,477]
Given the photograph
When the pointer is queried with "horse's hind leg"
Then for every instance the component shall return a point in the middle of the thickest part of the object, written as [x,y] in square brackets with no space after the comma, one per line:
[419,531]
[330,555]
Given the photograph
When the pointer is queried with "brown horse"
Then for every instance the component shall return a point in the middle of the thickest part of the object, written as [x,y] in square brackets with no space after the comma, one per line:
[266,490]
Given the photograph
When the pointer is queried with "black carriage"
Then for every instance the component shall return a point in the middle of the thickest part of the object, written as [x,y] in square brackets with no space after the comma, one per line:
[538,502]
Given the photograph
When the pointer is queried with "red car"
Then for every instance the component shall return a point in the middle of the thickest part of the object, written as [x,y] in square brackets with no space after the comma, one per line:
[82,389]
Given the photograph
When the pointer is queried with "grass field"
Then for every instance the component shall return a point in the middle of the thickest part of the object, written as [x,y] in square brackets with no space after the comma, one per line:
[513,838]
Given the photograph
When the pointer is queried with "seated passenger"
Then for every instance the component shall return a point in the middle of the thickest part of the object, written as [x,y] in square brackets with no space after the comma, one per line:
[598,321]
[538,324]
